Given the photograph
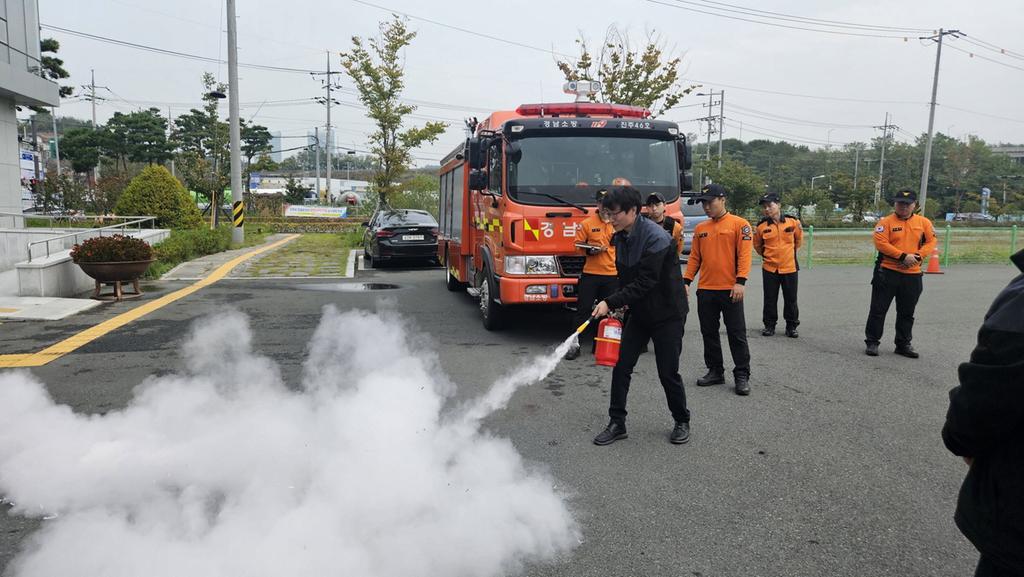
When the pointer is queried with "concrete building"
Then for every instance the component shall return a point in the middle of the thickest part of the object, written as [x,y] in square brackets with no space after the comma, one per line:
[21,84]
[1015,152]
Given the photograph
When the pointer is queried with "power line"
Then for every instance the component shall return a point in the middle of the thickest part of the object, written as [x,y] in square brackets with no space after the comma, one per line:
[798,95]
[788,119]
[994,48]
[992,60]
[677,5]
[171,52]
[464,30]
[982,113]
[770,14]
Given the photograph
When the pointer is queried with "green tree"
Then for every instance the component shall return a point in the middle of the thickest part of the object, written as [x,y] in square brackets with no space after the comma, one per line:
[744,185]
[379,76]
[139,136]
[802,197]
[154,192]
[295,192]
[81,147]
[419,192]
[255,140]
[646,77]
[104,196]
[201,140]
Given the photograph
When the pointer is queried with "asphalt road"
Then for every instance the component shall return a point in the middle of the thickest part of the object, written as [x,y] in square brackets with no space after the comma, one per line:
[833,466]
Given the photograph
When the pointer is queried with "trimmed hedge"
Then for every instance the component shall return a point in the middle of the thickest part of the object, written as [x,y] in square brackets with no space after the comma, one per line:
[185,245]
[154,192]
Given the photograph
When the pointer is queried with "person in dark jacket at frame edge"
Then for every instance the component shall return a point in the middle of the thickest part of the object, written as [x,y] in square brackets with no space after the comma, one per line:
[985,426]
[651,285]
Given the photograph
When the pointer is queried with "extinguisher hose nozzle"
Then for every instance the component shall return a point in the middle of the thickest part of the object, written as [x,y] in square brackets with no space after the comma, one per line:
[584,326]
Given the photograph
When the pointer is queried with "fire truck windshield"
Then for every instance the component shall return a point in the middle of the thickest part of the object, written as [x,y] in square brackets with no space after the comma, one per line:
[573,168]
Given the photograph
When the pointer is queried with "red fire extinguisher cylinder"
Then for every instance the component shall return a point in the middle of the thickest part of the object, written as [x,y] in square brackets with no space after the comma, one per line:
[609,336]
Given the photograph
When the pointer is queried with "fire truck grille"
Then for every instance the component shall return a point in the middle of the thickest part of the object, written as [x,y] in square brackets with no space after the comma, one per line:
[572,265]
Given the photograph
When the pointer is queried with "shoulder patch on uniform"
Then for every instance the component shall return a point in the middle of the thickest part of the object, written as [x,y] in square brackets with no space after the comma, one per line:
[880,228]
[746,229]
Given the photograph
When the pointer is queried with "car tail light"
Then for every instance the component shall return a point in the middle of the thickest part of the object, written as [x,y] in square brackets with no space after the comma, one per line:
[385,233]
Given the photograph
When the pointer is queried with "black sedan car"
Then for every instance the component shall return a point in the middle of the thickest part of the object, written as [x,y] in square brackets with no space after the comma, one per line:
[398,234]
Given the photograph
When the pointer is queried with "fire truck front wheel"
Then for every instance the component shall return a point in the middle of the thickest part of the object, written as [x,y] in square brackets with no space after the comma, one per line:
[490,311]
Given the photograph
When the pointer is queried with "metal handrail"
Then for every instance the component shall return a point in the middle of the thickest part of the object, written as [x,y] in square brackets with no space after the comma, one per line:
[122,226]
[68,217]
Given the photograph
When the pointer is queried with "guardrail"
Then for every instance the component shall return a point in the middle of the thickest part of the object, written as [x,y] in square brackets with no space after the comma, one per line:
[122,227]
[56,219]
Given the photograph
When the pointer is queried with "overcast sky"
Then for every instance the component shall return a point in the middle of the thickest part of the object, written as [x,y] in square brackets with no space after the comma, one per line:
[461,74]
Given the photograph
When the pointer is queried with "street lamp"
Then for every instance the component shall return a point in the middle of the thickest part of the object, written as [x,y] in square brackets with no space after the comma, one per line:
[813,178]
[348,166]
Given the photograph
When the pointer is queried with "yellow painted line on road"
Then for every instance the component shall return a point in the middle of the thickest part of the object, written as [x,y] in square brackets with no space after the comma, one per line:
[3,310]
[74,342]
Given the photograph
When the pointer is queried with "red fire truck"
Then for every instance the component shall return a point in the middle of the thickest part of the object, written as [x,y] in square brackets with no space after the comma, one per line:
[513,193]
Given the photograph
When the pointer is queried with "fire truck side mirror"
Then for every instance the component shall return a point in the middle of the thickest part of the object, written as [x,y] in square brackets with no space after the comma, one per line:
[685,180]
[685,154]
[475,153]
[477,179]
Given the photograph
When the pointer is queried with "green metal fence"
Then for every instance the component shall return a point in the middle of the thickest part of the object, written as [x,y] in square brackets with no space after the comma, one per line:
[956,245]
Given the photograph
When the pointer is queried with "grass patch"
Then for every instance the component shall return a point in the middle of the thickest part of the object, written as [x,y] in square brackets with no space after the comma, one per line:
[312,254]
[187,244]
[966,246]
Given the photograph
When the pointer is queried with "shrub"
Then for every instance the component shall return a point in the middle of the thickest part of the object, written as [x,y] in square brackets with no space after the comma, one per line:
[115,248]
[184,245]
[154,192]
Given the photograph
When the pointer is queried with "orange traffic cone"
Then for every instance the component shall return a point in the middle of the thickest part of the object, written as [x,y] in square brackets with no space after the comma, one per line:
[933,262]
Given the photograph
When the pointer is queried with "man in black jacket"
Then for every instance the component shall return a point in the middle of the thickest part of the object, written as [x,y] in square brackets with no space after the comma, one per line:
[651,285]
[985,426]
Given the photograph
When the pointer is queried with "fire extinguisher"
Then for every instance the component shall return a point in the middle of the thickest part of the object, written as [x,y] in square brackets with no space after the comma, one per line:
[609,334]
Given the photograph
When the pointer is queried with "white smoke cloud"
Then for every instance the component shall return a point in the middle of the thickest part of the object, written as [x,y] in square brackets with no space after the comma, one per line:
[224,471]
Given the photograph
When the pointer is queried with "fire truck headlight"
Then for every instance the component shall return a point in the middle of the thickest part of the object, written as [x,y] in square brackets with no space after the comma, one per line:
[531,265]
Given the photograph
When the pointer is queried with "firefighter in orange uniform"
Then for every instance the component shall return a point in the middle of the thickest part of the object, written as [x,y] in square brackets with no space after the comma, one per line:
[902,239]
[656,212]
[598,280]
[777,238]
[721,252]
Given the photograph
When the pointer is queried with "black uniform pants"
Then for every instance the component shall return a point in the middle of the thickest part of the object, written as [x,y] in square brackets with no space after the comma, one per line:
[987,568]
[885,286]
[590,290]
[711,304]
[668,345]
[788,282]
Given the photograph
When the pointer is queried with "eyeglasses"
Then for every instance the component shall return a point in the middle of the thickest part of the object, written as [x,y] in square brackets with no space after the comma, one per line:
[608,213]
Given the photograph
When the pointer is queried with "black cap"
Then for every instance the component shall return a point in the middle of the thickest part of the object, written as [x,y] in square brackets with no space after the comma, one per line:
[709,192]
[905,195]
[655,198]
[770,197]
[601,192]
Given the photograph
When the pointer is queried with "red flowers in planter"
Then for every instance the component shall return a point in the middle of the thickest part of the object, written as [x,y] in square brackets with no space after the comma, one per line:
[115,248]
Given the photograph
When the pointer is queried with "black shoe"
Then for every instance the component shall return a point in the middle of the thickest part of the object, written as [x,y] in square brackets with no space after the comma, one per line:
[680,433]
[791,333]
[712,378]
[768,331]
[743,386]
[872,350]
[613,432]
[572,353]
[907,351]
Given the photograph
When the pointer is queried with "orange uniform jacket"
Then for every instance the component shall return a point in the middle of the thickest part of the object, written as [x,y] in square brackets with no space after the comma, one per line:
[896,238]
[777,243]
[595,231]
[677,234]
[721,252]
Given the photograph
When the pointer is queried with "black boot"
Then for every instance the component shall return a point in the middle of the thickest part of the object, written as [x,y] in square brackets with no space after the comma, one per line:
[712,378]
[871,350]
[743,385]
[791,333]
[768,331]
[613,432]
[680,433]
[573,352]
[907,351]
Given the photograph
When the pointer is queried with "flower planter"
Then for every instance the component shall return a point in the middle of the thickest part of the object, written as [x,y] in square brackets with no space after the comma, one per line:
[116,273]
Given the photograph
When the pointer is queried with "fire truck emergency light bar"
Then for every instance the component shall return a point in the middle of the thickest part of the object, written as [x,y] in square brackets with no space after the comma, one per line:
[583,109]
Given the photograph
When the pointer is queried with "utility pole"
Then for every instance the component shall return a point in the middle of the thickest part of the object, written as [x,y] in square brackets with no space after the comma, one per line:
[856,167]
[35,156]
[721,126]
[316,139]
[885,128]
[170,131]
[91,87]
[923,195]
[711,128]
[328,84]
[237,194]
[56,138]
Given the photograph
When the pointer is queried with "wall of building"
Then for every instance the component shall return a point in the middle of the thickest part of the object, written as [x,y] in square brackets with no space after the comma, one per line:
[20,84]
